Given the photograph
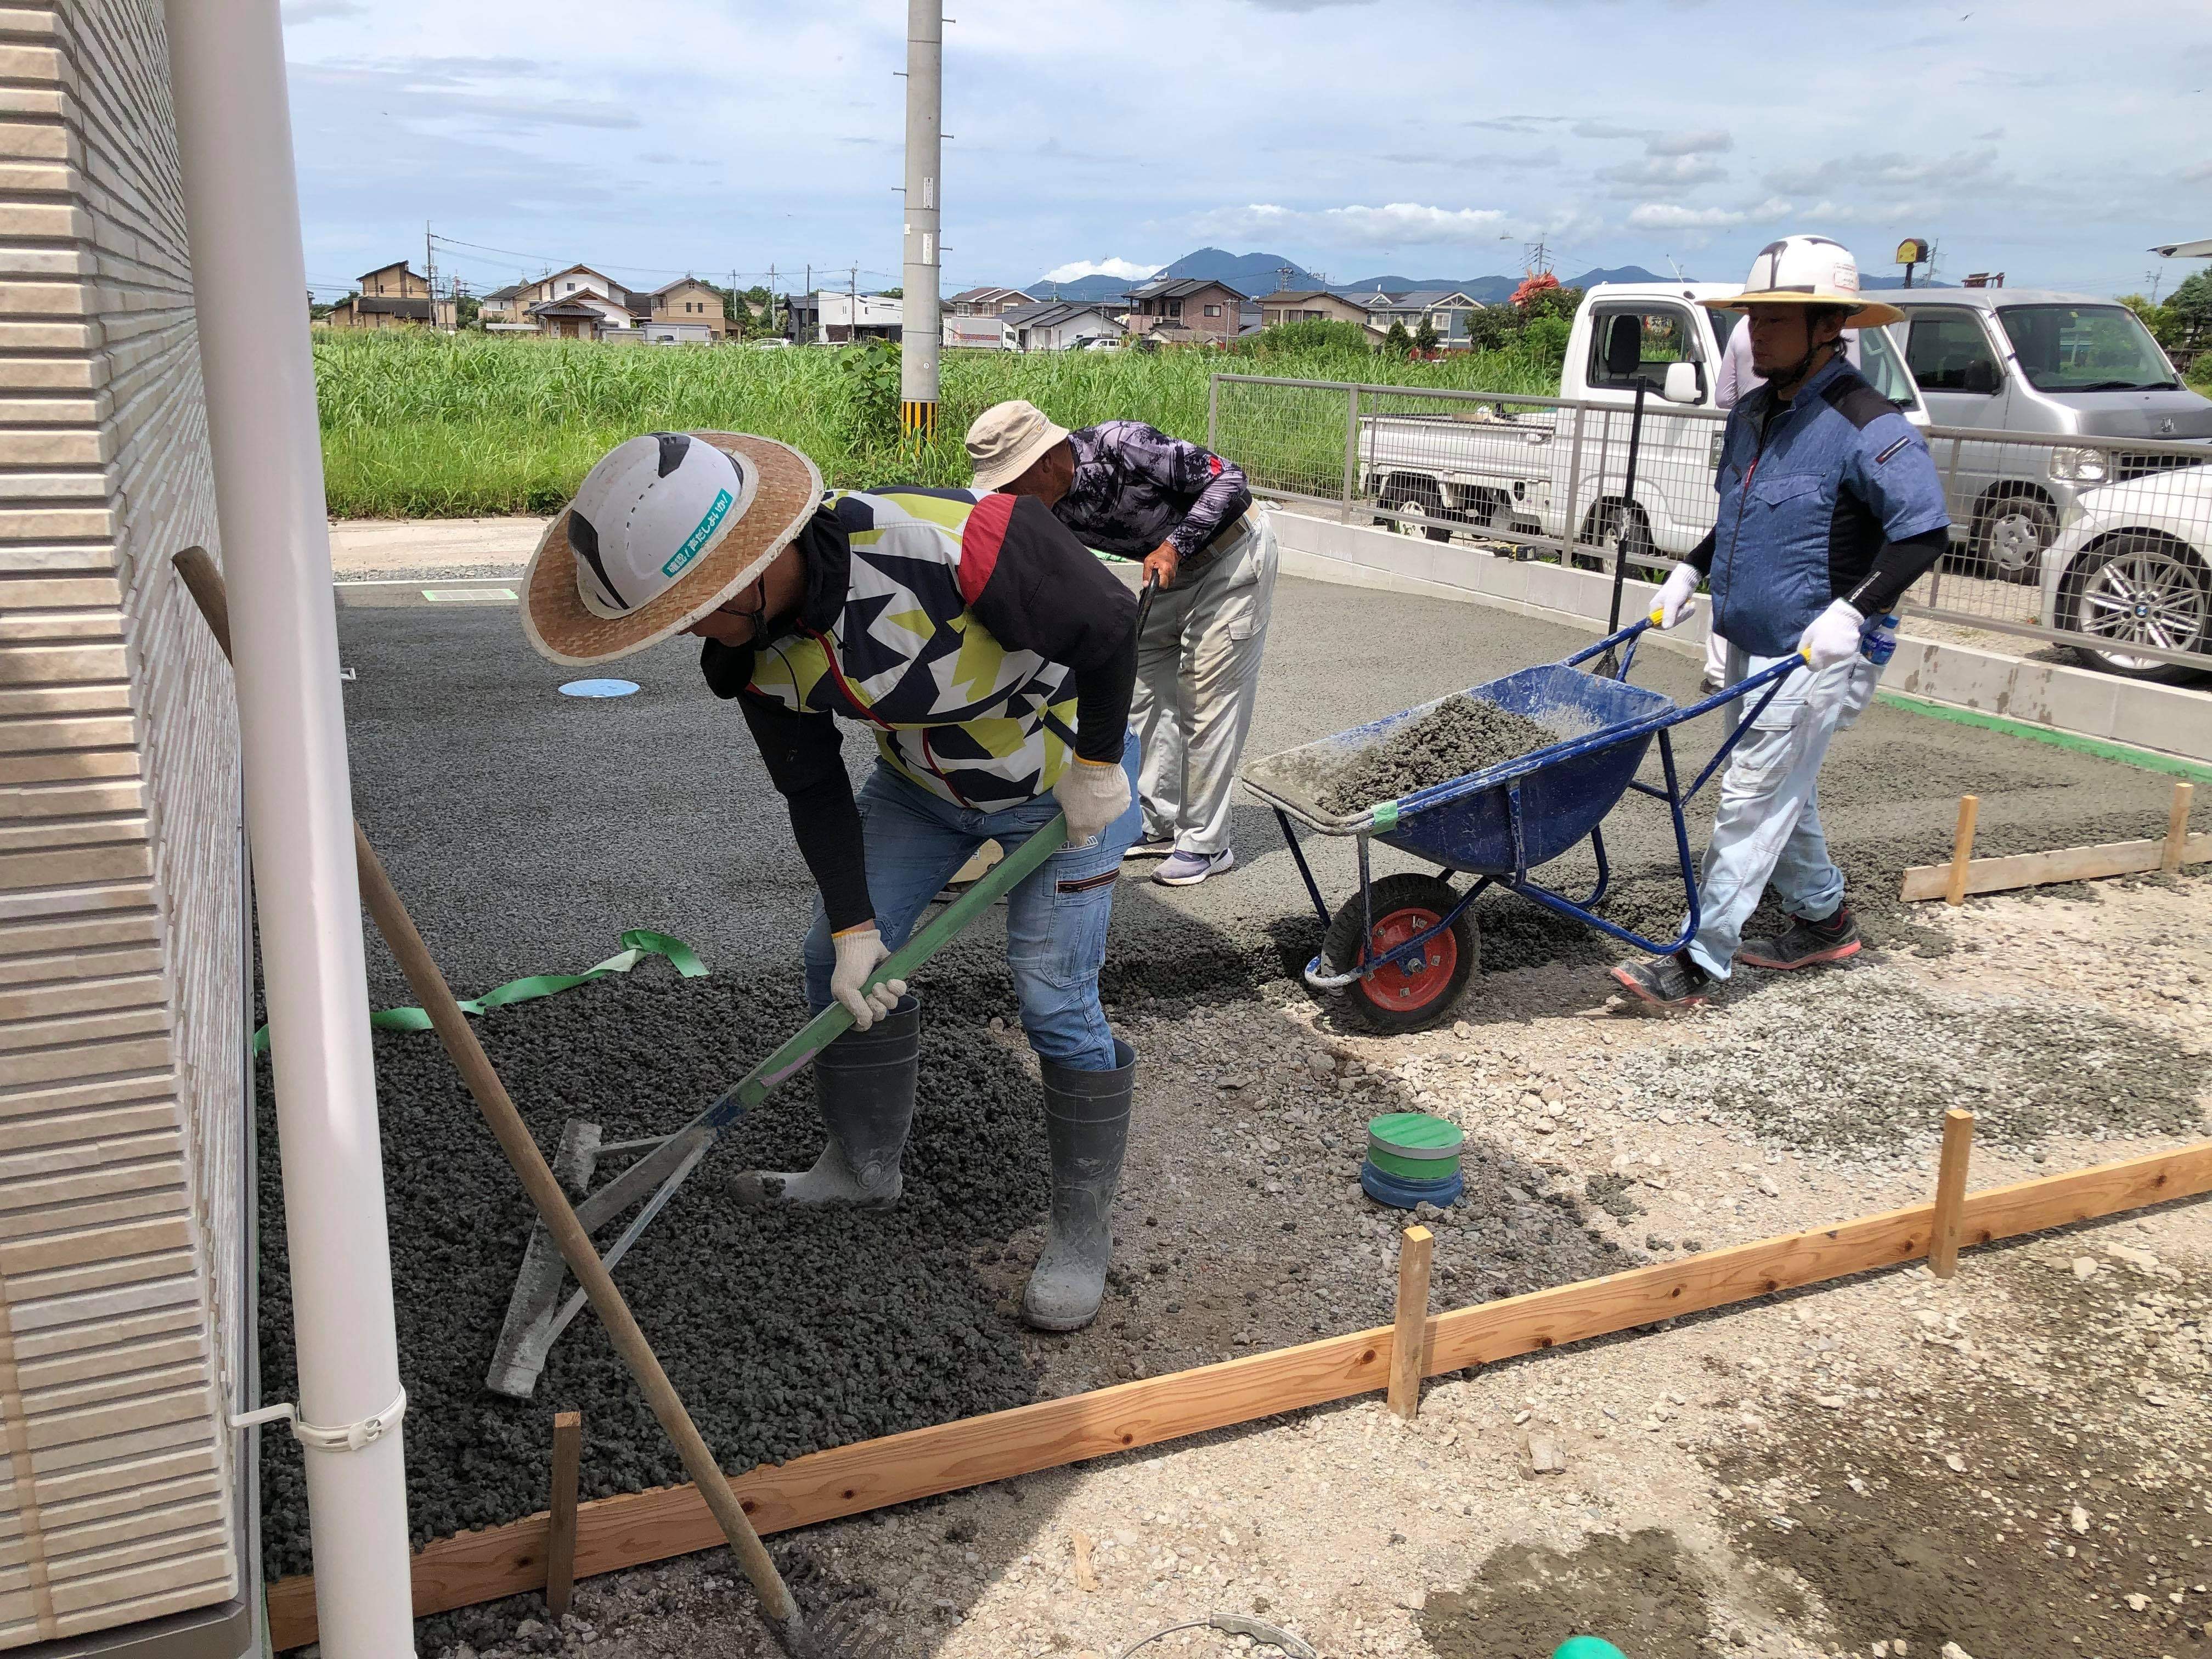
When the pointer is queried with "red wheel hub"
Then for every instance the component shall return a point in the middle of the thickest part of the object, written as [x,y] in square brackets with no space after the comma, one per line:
[1418,980]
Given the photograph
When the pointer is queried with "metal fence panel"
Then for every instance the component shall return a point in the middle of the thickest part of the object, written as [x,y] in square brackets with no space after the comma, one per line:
[2101,543]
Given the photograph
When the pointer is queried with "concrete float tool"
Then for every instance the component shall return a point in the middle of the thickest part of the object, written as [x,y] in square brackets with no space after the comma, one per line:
[801,1638]
[535,1312]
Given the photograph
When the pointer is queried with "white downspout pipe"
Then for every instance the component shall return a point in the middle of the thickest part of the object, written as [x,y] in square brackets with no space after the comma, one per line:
[250,285]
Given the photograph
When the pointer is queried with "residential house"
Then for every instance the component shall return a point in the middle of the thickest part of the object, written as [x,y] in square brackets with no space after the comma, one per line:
[685,311]
[846,317]
[1308,306]
[578,303]
[986,302]
[391,296]
[1185,310]
[1445,310]
[1061,326]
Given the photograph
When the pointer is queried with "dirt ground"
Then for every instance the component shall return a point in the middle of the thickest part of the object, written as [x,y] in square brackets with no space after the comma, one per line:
[2012,1462]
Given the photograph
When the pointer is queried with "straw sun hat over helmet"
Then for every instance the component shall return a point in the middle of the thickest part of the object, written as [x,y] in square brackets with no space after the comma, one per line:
[1808,270]
[664,530]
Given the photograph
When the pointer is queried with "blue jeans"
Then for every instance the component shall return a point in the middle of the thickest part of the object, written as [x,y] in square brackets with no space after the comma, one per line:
[1767,826]
[1055,919]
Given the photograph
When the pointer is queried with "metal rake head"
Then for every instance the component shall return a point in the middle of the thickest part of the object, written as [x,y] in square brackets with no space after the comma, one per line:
[835,1632]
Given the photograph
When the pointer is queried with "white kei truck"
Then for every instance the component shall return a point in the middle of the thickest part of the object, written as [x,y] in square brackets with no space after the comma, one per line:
[1504,471]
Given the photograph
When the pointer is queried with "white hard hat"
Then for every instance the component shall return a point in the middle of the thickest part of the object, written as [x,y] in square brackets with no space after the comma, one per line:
[1808,270]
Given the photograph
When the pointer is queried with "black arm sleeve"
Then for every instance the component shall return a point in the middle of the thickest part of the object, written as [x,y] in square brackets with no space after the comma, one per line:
[802,755]
[1048,594]
[1896,567]
[1700,557]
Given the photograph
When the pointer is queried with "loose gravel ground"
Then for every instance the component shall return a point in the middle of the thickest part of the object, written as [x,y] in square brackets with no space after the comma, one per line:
[1250,1106]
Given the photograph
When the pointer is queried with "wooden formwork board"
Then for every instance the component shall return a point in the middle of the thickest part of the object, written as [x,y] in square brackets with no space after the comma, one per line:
[635,1528]
[1965,874]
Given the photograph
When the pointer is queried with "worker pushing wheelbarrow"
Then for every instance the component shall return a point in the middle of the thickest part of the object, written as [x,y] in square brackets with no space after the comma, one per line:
[1401,949]
[1829,509]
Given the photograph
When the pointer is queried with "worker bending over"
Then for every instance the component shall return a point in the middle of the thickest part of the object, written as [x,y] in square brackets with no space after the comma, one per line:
[1830,508]
[991,657]
[1128,488]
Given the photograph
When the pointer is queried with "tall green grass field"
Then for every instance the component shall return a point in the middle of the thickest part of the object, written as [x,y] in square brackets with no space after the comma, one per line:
[419,425]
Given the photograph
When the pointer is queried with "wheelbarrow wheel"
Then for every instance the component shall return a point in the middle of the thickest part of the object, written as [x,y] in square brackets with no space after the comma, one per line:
[1402,997]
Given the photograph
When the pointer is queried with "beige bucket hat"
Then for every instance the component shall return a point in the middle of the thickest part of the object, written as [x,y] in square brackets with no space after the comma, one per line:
[1007,440]
[664,530]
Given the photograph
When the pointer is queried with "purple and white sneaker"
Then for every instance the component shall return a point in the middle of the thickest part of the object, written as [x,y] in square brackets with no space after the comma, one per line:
[1189,869]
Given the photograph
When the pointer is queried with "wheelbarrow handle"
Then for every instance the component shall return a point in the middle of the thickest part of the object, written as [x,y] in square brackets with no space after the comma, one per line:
[1608,642]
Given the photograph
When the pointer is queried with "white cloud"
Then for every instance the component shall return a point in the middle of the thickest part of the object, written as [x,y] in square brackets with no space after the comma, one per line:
[1665,215]
[1664,170]
[1120,270]
[1708,140]
[1395,223]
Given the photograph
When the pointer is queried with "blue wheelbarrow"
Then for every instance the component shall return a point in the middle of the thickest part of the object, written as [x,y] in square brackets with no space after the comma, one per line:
[1398,954]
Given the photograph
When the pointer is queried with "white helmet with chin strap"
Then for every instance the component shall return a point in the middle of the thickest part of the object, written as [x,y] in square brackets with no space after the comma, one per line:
[1812,271]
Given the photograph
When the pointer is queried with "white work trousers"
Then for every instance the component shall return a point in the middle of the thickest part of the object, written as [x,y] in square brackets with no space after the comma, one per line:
[1767,826]
[1198,676]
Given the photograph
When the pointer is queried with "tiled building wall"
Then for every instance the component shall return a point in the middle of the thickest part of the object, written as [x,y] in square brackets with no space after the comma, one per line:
[121,1098]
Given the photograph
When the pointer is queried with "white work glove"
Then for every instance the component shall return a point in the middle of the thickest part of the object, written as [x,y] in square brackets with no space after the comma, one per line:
[1833,637]
[1677,600]
[858,951]
[1091,794]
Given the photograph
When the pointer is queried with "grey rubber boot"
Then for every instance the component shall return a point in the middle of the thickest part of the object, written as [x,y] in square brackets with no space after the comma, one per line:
[1086,1124]
[864,1089]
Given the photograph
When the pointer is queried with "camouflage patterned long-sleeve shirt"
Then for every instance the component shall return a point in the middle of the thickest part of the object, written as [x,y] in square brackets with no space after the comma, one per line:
[1135,487]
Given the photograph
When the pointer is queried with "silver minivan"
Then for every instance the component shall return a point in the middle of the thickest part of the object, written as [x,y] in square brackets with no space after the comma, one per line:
[2044,364]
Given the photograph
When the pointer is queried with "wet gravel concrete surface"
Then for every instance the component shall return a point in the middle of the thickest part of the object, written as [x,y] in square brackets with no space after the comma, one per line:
[526,830]
[1460,736]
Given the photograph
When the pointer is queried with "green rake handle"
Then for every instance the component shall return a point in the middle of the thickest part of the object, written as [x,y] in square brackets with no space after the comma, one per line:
[818,1033]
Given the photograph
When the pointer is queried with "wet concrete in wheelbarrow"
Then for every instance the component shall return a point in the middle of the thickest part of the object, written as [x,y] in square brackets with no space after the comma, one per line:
[526,830]
[1459,737]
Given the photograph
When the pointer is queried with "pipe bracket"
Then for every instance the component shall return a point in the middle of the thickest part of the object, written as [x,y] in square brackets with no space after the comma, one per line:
[316,1436]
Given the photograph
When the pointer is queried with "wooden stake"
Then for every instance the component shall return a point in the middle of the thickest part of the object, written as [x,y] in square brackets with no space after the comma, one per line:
[560,1535]
[1416,1250]
[1962,849]
[2176,849]
[1087,1578]
[1950,1193]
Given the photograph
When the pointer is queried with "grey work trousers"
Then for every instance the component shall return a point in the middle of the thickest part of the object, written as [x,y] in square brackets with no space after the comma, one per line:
[1198,676]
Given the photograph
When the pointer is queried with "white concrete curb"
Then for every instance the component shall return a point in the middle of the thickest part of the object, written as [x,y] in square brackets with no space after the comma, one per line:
[2168,719]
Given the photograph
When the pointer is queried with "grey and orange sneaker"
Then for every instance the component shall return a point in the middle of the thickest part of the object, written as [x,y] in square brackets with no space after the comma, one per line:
[1805,943]
[1673,981]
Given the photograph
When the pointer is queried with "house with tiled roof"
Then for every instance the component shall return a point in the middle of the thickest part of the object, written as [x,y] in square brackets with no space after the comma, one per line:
[1185,310]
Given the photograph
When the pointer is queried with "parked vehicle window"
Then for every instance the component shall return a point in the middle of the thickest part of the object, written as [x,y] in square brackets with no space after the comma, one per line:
[2085,349]
[1949,352]
[1661,336]
[1883,368]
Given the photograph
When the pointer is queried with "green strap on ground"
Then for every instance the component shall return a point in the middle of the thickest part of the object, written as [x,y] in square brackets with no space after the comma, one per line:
[2103,748]
[637,944]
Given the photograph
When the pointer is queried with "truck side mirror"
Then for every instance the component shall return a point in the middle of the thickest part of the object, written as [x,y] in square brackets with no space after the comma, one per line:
[1685,384]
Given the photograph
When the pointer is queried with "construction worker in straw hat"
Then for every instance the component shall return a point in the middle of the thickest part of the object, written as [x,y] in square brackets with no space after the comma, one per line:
[1830,508]
[1128,488]
[992,658]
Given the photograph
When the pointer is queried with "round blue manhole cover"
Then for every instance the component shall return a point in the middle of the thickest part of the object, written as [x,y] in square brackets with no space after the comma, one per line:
[598,688]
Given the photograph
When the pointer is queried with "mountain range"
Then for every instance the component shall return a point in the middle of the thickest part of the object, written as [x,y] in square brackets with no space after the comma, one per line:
[1257,273]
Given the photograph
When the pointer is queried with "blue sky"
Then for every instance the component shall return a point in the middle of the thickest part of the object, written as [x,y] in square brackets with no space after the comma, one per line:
[2056,141]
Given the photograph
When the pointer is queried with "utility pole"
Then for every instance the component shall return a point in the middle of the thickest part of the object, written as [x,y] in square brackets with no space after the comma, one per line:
[1282,277]
[920,304]
[852,306]
[771,299]
[813,306]
[430,275]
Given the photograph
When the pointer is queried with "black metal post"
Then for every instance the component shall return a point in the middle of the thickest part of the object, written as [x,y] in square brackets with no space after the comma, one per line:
[1609,664]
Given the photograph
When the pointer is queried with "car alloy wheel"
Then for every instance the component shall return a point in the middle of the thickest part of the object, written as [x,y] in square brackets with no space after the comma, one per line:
[2148,591]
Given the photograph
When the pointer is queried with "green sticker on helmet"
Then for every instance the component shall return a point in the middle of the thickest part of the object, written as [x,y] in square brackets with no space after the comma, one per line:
[697,539]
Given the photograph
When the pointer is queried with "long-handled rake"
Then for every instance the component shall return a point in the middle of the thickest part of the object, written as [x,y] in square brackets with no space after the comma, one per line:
[832,1638]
